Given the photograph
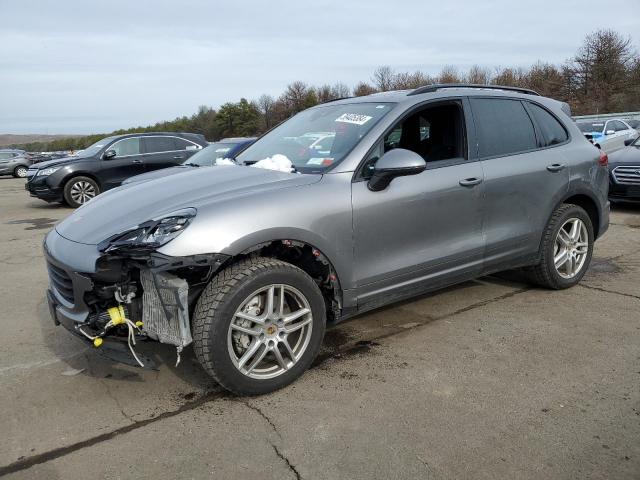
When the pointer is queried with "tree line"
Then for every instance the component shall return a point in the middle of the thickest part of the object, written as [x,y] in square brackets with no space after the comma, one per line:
[602,77]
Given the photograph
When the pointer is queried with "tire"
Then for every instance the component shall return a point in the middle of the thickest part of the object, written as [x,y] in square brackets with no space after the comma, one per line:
[20,171]
[79,190]
[545,273]
[219,346]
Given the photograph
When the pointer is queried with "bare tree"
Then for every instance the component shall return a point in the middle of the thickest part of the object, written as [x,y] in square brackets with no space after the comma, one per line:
[265,105]
[383,78]
[362,89]
[478,75]
[449,74]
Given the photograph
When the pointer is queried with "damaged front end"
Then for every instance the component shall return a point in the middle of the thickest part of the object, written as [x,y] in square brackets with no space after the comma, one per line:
[133,293]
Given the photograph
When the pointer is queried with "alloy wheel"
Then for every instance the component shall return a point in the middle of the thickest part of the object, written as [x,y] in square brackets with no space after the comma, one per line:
[270,331]
[21,172]
[571,248]
[81,192]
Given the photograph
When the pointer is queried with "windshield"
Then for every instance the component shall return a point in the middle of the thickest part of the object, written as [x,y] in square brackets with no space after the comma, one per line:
[588,127]
[95,148]
[333,129]
[207,156]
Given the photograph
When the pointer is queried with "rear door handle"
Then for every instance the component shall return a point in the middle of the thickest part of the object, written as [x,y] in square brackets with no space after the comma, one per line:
[137,160]
[470,182]
[556,167]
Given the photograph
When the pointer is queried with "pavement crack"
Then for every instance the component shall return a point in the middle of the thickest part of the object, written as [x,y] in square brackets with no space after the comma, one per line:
[599,289]
[280,455]
[263,415]
[116,400]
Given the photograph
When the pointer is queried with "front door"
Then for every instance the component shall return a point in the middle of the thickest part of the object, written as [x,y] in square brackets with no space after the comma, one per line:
[127,162]
[422,231]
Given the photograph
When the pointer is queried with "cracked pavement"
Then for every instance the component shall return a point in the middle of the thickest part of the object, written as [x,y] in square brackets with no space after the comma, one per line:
[488,379]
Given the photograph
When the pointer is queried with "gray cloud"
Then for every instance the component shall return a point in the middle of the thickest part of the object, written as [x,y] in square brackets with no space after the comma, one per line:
[81,67]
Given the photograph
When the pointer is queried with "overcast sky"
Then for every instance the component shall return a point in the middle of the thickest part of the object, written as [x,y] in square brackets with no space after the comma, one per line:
[80,66]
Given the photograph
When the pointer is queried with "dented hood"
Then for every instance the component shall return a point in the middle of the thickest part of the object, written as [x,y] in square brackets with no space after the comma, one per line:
[125,207]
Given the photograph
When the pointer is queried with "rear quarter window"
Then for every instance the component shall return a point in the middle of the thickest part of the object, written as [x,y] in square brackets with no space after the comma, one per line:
[552,130]
[503,127]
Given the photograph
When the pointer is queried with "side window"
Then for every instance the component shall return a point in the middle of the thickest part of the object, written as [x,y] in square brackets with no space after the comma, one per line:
[182,144]
[159,144]
[619,126]
[435,133]
[503,127]
[552,130]
[5,155]
[127,146]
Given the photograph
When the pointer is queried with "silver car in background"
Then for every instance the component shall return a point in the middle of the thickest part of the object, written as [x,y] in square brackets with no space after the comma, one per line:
[608,135]
[419,190]
[14,162]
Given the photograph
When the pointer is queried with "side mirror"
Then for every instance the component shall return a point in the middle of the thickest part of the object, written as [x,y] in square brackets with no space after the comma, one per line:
[109,154]
[629,141]
[395,163]
[609,132]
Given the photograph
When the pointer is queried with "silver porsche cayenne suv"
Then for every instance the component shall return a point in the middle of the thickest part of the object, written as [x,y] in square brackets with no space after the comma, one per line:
[411,191]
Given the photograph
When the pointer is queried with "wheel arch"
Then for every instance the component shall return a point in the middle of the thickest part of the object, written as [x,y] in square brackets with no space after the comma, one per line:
[310,259]
[74,174]
[589,204]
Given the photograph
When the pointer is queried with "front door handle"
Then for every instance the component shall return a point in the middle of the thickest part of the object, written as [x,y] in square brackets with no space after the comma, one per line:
[556,167]
[178,157]
[137,160]
[470,182]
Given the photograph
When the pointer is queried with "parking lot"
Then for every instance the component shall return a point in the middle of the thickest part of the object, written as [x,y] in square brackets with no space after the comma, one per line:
[492,378]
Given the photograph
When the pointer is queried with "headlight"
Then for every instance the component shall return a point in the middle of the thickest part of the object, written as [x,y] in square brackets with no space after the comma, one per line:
[152,234]
[48,171]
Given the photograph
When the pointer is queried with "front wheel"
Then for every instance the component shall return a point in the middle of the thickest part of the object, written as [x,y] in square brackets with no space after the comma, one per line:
[567,247]
[258,325]
[79,190]
[20,171]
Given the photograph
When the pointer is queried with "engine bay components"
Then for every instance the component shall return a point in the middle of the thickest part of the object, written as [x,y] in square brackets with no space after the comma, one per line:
[165,308]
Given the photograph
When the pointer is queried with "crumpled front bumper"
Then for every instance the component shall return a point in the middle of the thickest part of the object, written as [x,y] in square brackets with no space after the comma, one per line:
[77,271]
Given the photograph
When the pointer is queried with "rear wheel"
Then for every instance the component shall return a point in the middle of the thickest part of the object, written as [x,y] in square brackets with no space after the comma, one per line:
[20,171]
[567,247]
[79,190]
[258,325]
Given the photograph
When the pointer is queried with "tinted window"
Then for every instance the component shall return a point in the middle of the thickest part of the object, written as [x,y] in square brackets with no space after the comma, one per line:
[182,144]
[128,146]
[503,126]
[159,144]
[552,131]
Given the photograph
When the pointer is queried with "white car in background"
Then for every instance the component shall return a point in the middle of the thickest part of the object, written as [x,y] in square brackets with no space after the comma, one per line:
[608,135]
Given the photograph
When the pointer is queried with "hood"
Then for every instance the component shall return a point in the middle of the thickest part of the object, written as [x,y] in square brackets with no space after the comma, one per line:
[625,156]
[125,207]
[58,161]
[163,172]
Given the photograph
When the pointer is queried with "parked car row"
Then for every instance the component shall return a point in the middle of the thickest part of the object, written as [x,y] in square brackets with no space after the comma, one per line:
[412,191]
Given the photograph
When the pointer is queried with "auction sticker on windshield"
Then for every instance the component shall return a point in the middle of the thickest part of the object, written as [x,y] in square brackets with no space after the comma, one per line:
[354,118]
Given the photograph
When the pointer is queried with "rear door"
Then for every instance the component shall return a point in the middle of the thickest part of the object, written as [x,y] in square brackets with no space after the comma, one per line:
[127,162]
[161,152]
[526,174]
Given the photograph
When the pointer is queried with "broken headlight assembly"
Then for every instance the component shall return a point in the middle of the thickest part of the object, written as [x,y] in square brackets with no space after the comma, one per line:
[152,234]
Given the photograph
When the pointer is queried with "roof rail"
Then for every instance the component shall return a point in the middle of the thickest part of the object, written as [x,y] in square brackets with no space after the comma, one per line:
[438,86]
[334,100]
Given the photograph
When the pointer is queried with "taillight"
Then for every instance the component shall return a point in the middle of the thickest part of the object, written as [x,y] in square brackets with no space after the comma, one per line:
[603,160]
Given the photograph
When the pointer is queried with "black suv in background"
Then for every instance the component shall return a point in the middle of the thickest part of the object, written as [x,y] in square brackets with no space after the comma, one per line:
[107,163]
